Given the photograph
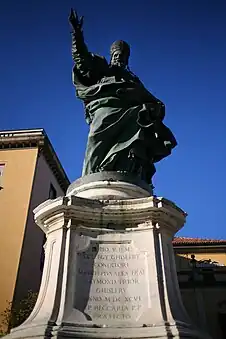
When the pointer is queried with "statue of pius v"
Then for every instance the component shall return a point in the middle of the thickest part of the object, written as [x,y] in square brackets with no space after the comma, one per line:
[127,133]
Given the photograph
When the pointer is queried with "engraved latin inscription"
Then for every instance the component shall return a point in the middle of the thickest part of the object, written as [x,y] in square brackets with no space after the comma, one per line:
[111,282]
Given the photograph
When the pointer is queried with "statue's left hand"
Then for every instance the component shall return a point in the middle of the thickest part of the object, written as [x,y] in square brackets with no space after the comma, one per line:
[74,20]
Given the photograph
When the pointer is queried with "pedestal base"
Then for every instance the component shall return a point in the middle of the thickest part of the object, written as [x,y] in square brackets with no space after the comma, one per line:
[109,271]
[110,186]
[163,331]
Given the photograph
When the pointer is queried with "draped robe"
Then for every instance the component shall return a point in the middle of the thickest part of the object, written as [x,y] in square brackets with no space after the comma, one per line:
[127,133]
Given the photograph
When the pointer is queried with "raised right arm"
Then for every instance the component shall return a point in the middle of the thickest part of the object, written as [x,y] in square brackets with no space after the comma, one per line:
[80,54]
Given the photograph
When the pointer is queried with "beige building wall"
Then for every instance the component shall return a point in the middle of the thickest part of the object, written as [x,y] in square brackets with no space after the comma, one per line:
[29,274]
[15,195]
[183,260]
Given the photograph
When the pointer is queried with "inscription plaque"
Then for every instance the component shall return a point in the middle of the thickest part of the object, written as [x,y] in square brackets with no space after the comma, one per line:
[111,281]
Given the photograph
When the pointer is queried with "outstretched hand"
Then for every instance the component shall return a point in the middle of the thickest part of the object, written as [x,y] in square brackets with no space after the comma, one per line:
[74,20]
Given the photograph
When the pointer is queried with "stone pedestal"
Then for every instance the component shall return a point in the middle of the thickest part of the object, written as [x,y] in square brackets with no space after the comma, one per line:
[109,186]
[109,270]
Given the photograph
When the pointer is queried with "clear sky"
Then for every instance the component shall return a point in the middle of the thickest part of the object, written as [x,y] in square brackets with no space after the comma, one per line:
[178,49]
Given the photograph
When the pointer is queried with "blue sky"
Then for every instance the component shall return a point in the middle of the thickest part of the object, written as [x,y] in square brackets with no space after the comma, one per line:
[178,49]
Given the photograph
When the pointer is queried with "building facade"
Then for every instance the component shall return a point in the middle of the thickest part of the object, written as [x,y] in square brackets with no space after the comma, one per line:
[201,269]
[30,173]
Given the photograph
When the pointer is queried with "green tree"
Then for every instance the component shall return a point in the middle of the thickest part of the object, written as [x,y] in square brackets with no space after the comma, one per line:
[15,315]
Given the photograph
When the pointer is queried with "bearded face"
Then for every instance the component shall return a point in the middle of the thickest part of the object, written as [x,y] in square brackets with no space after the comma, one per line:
[119,59]
[120,52]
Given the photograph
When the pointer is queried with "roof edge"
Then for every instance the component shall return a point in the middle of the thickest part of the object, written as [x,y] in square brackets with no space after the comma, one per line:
[36,137]
[187,241]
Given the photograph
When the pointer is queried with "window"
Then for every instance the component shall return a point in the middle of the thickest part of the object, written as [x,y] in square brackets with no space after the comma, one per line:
[52,192]
[1,169]
[2,166]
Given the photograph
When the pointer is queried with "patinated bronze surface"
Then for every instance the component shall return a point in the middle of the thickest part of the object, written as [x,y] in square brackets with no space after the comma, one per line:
[127,133]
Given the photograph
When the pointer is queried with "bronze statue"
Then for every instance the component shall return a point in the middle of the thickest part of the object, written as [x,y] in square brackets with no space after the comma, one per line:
[127,133]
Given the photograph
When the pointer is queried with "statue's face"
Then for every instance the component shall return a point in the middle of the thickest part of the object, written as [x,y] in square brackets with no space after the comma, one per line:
[119,59]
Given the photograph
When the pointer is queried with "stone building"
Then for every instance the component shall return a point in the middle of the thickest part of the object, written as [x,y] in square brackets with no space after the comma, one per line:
[30,173]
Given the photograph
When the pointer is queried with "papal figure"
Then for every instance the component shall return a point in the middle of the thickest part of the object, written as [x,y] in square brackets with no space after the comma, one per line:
[127,133]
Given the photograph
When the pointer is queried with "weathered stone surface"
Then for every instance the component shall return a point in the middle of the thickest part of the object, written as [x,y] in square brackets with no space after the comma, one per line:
[109,186]
[108,177]
[112,275]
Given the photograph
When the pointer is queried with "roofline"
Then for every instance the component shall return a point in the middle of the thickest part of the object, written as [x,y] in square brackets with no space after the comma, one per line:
[188,241]
[37,137]
[22,131]
[195,244]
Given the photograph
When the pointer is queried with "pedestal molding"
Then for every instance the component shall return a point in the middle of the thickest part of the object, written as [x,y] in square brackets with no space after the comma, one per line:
[118,212]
